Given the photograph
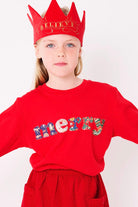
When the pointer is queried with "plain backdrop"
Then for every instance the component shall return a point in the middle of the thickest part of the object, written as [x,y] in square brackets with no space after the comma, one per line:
[110,55]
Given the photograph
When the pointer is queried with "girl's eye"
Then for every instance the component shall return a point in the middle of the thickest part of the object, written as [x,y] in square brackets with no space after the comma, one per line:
[50,45]
[70,45]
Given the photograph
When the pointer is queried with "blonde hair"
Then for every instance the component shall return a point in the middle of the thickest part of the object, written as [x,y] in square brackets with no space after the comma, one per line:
[41,74]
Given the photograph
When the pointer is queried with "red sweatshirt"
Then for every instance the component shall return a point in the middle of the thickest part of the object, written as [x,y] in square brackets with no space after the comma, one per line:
[68,129]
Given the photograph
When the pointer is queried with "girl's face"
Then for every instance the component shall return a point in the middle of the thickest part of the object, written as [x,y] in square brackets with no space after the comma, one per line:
[59,53]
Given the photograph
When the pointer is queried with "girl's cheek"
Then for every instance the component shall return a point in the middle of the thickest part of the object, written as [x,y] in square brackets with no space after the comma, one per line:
[72,52]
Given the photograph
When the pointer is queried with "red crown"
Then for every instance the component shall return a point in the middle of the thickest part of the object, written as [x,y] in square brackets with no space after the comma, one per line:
[56,22]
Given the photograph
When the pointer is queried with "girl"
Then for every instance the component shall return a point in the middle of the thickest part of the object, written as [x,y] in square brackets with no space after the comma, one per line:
[67,121]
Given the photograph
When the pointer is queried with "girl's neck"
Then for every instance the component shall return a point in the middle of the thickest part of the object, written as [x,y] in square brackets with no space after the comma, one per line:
[64,84]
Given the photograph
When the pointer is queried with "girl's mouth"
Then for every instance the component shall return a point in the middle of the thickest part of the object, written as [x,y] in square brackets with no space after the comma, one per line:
[61,64]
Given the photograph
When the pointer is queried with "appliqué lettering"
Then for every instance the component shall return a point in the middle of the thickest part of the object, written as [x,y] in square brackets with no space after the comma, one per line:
[61,126]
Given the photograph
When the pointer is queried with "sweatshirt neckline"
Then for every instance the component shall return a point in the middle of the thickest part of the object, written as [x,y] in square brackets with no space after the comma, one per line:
[67,91]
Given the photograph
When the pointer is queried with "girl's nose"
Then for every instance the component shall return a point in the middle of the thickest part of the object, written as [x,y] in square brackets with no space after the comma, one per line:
[61,52]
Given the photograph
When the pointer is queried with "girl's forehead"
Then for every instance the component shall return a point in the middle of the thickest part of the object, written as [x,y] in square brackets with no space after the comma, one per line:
[59,37]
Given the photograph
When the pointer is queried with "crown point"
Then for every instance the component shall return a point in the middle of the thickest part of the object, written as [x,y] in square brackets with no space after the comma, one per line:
[54,12]
[73,13]
[36,18]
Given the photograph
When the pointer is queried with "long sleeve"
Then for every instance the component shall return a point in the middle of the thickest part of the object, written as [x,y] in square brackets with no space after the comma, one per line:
[11,128]
[124,117]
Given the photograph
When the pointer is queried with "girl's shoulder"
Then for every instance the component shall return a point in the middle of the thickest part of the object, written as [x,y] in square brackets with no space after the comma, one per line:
[31,96]
[101,86]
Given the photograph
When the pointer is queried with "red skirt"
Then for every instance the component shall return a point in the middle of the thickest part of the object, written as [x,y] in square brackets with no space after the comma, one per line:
[64,188]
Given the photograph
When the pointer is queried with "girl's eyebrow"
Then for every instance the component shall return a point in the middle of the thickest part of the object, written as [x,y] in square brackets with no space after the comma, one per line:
[71,40]
[49,40]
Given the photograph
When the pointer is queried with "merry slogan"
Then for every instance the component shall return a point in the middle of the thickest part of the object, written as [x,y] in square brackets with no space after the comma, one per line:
[73,124]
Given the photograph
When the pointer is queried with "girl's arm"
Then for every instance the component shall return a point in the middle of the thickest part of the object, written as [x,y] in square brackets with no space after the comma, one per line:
[11,128]
[125,117]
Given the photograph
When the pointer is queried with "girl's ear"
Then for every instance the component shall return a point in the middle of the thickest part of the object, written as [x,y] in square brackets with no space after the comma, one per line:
[37,53]
[80,51]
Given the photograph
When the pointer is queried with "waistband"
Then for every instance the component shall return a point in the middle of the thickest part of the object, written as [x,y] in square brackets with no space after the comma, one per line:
[64,172]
